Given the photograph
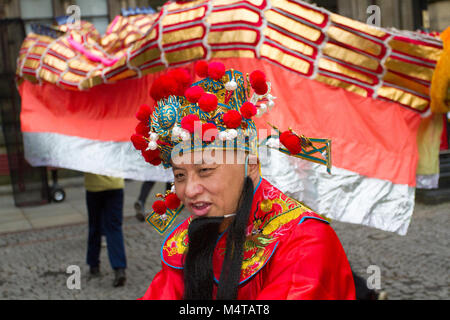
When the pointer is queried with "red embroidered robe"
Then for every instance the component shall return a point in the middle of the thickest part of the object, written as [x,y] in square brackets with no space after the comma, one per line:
[290,253]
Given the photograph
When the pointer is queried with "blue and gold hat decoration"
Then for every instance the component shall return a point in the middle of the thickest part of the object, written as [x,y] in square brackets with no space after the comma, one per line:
[215,109]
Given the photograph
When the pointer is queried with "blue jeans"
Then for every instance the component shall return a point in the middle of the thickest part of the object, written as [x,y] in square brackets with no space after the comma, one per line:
[105,211]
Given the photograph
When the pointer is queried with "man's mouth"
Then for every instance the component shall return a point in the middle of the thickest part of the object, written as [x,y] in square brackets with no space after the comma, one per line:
[200,208]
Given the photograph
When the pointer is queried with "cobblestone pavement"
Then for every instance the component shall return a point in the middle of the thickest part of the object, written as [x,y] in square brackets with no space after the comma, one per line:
[33,263]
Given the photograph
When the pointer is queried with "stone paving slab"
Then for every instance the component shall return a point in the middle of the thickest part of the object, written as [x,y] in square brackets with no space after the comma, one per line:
[17,224]
[33,263]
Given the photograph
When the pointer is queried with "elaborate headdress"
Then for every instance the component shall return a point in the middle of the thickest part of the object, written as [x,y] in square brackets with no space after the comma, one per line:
[213,113]
[216,110]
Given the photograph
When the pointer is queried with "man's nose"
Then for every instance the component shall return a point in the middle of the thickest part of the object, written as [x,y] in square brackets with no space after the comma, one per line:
[193,187]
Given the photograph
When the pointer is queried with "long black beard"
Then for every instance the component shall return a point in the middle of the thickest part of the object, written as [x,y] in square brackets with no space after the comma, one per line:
[198,272]
[203,234]
[232,263]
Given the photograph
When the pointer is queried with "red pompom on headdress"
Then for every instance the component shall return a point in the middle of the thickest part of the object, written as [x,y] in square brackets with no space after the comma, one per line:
[159,207]
[163,87]
[201,68]
[150,155]
[187,123]
[175,82]
[139,142]
[182,78]
[194,93]
[143,129]
[156,161]
[171,201]
[258,82]
[232,119]
[216,70]
[248,110]
[144,112]
[291,142]
[261,88]
[209,132]
[257,76]
[208,102]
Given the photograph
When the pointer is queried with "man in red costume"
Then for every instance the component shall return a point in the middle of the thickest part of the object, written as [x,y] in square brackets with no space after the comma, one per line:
[245,239]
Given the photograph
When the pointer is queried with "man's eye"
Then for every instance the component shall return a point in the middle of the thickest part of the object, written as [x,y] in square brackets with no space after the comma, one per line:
[206,170]
[179,176]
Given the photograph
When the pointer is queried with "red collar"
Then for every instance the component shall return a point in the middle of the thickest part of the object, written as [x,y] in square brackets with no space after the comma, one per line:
[272,215]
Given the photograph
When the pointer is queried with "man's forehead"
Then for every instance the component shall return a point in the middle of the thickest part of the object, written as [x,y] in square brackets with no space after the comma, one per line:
[213,156]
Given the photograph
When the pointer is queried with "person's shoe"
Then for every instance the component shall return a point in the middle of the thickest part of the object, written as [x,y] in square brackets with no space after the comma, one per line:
[382,295]
[139,207]
[120,278]
[94,271]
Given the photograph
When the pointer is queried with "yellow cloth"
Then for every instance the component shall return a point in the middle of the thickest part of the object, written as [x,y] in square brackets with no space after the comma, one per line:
[440,85]
[429,142]
[97,182]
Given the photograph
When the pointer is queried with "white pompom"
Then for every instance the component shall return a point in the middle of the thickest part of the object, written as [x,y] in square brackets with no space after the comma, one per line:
[270,104]
[231,85]
[223,135]
[154,136]
[152,145]
[263,107]
[185,135]
[176,131]
[228,136]
[172,189]
[232,133]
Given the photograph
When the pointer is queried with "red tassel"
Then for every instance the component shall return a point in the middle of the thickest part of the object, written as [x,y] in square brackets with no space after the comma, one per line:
[228,96]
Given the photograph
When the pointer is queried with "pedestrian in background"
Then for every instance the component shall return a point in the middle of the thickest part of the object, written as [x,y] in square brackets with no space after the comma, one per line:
[104,199]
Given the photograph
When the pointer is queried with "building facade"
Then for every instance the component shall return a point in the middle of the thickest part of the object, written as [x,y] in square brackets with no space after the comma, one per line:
[431,15]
